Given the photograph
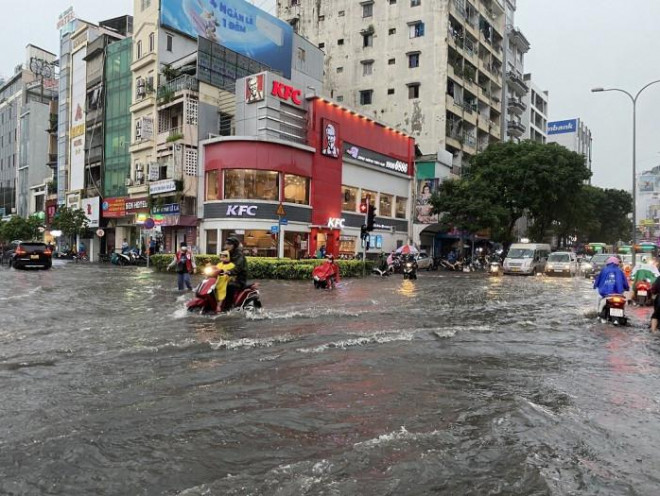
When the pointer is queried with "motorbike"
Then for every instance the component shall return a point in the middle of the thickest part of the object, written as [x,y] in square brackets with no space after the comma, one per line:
[409,269]
[324,276]
[615,310]
[642,292]
[495,266]
[205,300]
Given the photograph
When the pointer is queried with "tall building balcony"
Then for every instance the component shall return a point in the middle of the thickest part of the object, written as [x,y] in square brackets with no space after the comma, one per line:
[177,88]
[517,83]
[516,106]
[518,39]
[515,128]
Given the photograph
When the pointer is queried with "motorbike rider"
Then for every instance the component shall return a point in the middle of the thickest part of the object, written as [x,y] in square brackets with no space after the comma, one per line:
[334,278]
[611,280]
[239,272]
[224,267]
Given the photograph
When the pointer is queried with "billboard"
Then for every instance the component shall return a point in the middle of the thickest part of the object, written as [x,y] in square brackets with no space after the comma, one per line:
[425,189]
[91,207]
[562,127]
[77,119]
[646,183]
[234,24]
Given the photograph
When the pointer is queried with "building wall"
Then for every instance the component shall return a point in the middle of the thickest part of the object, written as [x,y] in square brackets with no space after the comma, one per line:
[535,117]
[578,140]
[118,93]
[337,28]
[33,170]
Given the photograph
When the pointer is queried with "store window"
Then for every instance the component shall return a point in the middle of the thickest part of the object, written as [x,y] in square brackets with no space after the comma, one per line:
[250,184]
[401,207]
[212,192]
[295,245]
[296,189]
[349,198]
[385,205]
[347,245]
[255,243]
[212,241]
[371,194]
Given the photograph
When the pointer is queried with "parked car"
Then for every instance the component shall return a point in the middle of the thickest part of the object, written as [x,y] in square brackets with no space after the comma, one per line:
[423,261]
[596,263]
[561,263]
[23,254]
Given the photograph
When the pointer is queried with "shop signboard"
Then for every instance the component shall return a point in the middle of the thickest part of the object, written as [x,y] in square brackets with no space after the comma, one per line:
[73,200]
[77,119]
[164,186]
[135,205]
[371,157]
[562,127]
[91,207]
[237,24]
[113,207]
[242,210]
[336,223]
[167,209]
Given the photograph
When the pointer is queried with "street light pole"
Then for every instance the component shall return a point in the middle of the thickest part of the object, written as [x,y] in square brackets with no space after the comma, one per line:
[633,99]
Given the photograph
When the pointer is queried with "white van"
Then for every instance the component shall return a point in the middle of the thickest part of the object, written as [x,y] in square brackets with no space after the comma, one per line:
[526,258]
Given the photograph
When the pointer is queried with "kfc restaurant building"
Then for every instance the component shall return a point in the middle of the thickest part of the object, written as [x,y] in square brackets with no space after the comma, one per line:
[293,178]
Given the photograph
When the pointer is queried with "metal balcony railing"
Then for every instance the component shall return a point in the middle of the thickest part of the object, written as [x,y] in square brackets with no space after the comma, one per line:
[180,83]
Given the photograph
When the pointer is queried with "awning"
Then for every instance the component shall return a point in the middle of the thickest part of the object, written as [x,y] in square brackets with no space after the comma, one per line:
[179,221]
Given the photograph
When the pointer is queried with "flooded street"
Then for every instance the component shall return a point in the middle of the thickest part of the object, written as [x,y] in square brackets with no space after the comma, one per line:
[454,384]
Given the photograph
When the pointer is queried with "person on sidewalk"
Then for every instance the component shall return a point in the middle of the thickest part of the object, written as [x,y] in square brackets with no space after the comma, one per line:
[184,261]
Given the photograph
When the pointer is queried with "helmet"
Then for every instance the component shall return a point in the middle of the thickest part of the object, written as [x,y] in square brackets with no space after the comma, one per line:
[234,241]
[184,247]
[613,260]
[330,256]
[224,254]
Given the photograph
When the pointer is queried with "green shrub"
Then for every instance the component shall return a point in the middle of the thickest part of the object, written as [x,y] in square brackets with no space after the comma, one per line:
[272,268]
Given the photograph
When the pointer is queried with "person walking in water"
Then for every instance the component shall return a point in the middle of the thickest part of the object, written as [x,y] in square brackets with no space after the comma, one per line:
[185,265]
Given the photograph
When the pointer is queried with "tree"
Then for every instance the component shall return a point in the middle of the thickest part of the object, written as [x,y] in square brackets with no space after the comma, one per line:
[509,180]
[71,221]
[20,228]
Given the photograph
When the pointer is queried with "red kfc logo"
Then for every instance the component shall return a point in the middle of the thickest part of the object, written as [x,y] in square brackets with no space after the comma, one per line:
[286,92]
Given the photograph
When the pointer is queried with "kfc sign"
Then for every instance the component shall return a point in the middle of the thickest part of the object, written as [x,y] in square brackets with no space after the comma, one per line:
[241,210]
[286,92]
[336,223]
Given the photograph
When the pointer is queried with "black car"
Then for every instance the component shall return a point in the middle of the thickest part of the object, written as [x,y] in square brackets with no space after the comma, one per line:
[597,262]
[23,254]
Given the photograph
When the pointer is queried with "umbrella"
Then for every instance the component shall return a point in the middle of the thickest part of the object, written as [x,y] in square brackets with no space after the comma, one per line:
[407,249]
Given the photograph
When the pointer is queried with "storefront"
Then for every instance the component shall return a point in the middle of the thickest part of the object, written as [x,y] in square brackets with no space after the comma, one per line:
[296,197]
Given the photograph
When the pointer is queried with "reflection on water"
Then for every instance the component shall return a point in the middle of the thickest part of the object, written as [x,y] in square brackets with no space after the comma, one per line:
[450,384]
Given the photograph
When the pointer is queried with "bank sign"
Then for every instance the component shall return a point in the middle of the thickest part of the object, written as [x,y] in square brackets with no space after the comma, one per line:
[235,24]
[562,127]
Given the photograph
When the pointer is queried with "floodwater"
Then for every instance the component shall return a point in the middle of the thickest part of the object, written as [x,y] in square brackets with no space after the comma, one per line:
[454,384]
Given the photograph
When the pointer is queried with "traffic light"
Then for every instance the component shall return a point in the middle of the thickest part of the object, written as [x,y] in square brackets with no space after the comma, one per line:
[364,234]
[363,207]
[371,217]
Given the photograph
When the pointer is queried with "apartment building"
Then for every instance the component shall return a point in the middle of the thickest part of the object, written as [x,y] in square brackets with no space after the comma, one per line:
[432,69]
[535,116]
[25,111]
[515,88]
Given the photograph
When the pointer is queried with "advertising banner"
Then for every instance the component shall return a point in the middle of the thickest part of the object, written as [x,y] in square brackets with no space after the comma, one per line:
[77,131]
[235,24]
[646,183]
[137,205]
[73,200]
[114,207]
[91,207]
[425,189]
[167,209]
[374,158]
[330,139]
[561,127]
[164,186]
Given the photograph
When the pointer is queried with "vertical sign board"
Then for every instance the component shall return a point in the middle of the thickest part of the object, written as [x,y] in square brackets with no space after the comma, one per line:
[92,209]
[77,120]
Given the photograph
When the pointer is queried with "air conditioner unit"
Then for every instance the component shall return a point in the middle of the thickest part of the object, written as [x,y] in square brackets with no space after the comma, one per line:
[129,181]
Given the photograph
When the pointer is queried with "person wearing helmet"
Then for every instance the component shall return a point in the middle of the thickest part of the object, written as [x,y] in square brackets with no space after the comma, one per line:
[334,278]
[224,278]
[611,280]
[239,272]
[184,262]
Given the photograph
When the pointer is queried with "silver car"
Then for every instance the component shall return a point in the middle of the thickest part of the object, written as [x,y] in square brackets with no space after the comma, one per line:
[562,263]
[423,261]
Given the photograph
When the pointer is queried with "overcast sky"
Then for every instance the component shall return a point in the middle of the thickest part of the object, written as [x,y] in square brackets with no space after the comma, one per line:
[576,45]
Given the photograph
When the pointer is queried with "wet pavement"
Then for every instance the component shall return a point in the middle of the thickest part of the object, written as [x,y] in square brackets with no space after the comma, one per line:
[453,384]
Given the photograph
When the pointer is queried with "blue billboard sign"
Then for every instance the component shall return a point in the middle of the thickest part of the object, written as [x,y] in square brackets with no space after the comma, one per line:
[234,24]
[561,127]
